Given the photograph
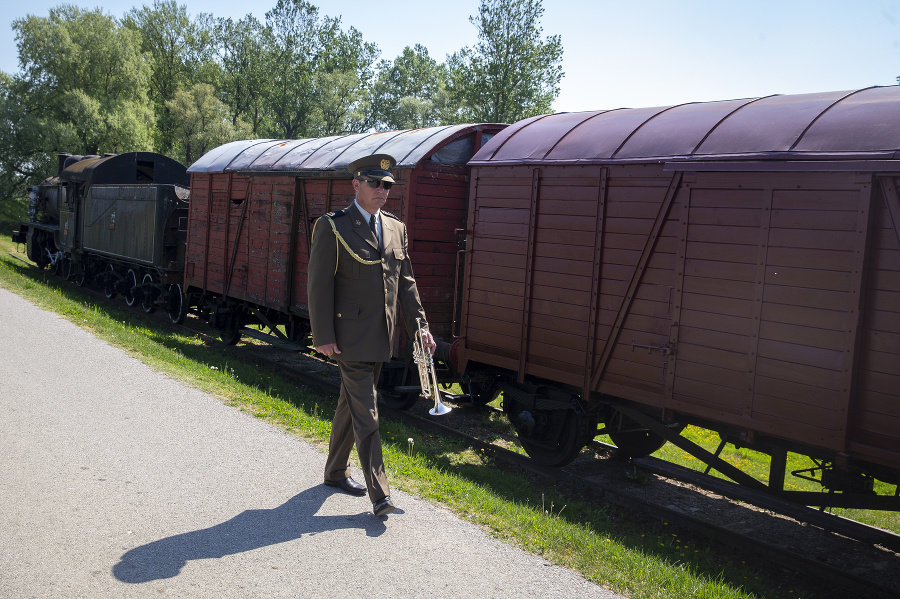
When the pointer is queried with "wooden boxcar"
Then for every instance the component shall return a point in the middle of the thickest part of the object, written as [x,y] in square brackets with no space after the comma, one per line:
[254,203]
[732,264]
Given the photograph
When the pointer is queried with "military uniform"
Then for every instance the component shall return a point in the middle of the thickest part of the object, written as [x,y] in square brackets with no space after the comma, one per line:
[355,286]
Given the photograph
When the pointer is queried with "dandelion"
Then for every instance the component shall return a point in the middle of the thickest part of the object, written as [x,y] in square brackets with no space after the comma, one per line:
[411,444]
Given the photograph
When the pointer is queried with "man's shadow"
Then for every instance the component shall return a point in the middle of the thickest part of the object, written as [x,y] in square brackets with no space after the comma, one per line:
[248,530]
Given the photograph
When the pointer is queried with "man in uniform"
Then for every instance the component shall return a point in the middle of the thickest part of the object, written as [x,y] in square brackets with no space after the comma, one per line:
[359,271]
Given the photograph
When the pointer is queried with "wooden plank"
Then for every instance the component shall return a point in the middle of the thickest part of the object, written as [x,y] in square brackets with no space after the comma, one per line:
[719,288]
[808,375]
[726,217]
[487,283]
[564,252]
[883,383]
[885,426]
[501,230]
[837,220]
[816,200]
[724,341]
[721,376]
[704,267]
[798,354]
[805,336]
[800,393]
[699,354]
[736,325]
[802,316]
[879,403]
[714,305]
[499,273]
[814,259]
[720,234]
[807,298]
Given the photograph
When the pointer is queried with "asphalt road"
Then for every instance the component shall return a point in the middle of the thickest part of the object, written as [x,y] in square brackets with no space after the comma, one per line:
[118,481]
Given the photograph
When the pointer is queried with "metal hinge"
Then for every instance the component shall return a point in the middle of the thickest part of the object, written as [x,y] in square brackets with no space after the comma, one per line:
[666,349]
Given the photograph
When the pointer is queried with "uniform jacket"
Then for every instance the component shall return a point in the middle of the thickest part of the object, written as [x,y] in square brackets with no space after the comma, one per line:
[354,290]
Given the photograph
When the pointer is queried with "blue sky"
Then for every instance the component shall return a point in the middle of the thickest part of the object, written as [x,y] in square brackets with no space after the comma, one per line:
[625,53]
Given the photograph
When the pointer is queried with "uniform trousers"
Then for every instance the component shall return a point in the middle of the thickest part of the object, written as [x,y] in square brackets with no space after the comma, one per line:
[356,421]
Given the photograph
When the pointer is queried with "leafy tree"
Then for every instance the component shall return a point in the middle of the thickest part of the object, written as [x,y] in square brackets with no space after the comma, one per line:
[335,95]
[85,75]
[295,44]
[181,52]
[202,121]
[244,62]
[303,48]
[24,141]
[410,92]
[510,73]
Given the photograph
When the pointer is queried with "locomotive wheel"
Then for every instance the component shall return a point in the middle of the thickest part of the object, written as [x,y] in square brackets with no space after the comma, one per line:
[80,275]
[232,334]
[109,288]
[483,392]
[147,303]
[175,306]
[131,282]
[399,401]
[633,443]
[68,269]
[55,265]
[551,437]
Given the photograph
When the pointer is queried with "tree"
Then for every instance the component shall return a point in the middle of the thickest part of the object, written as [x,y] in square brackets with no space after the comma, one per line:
[24,142]
[181,52]
[84,79]
[244,62]
[202,122]
[410,92]
[510,73]
[303,47]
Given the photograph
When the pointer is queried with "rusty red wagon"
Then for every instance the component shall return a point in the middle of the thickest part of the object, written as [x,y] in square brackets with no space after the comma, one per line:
[253,205]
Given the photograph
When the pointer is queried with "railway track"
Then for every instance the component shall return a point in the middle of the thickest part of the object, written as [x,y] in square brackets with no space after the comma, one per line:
[861,560]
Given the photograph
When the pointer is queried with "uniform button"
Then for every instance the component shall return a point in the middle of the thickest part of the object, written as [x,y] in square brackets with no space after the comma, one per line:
[339,314]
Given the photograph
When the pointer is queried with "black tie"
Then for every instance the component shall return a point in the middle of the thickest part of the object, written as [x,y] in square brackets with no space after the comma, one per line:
[374,230]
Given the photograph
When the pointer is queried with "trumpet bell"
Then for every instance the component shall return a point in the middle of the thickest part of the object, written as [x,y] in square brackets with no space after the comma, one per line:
[440,409]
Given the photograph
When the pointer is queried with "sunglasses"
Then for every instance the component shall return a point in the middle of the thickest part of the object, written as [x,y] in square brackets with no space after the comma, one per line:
[376,184]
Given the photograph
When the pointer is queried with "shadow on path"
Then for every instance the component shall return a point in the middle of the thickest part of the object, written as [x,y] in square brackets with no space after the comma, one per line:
[248,530]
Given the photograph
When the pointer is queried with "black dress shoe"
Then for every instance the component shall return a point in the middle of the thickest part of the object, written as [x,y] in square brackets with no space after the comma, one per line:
[383,507]
[348,485]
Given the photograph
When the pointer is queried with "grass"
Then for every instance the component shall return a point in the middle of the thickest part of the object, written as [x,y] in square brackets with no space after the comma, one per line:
[610,546]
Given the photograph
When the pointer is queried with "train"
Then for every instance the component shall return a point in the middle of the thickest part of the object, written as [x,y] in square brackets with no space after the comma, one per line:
[733,265]
[116,220]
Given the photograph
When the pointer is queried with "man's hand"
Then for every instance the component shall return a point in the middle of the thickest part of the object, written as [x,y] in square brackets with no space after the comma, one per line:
[428,341]
[328,349]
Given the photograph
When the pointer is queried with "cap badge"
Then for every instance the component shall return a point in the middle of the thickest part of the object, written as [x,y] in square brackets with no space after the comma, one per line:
[385,164]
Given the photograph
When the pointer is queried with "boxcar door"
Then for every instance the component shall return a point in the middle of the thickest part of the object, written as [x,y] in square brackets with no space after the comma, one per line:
[767,301]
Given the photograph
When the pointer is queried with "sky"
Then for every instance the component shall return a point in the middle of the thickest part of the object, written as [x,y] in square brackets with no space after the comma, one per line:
[621,53]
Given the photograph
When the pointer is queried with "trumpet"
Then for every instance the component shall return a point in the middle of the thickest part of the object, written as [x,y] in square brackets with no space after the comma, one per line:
[427,374]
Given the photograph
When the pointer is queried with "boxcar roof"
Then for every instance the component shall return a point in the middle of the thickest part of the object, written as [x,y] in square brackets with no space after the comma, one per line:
[862,124]
[408,147]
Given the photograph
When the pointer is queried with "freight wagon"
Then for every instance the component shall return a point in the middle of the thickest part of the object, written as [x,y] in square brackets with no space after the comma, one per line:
[253,205]
[732,264]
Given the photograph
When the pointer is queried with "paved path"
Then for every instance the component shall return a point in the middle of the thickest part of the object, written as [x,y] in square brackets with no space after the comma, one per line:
[118,481]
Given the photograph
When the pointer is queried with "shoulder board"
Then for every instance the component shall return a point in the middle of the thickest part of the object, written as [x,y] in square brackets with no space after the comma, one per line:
[336,213]
[386,213]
